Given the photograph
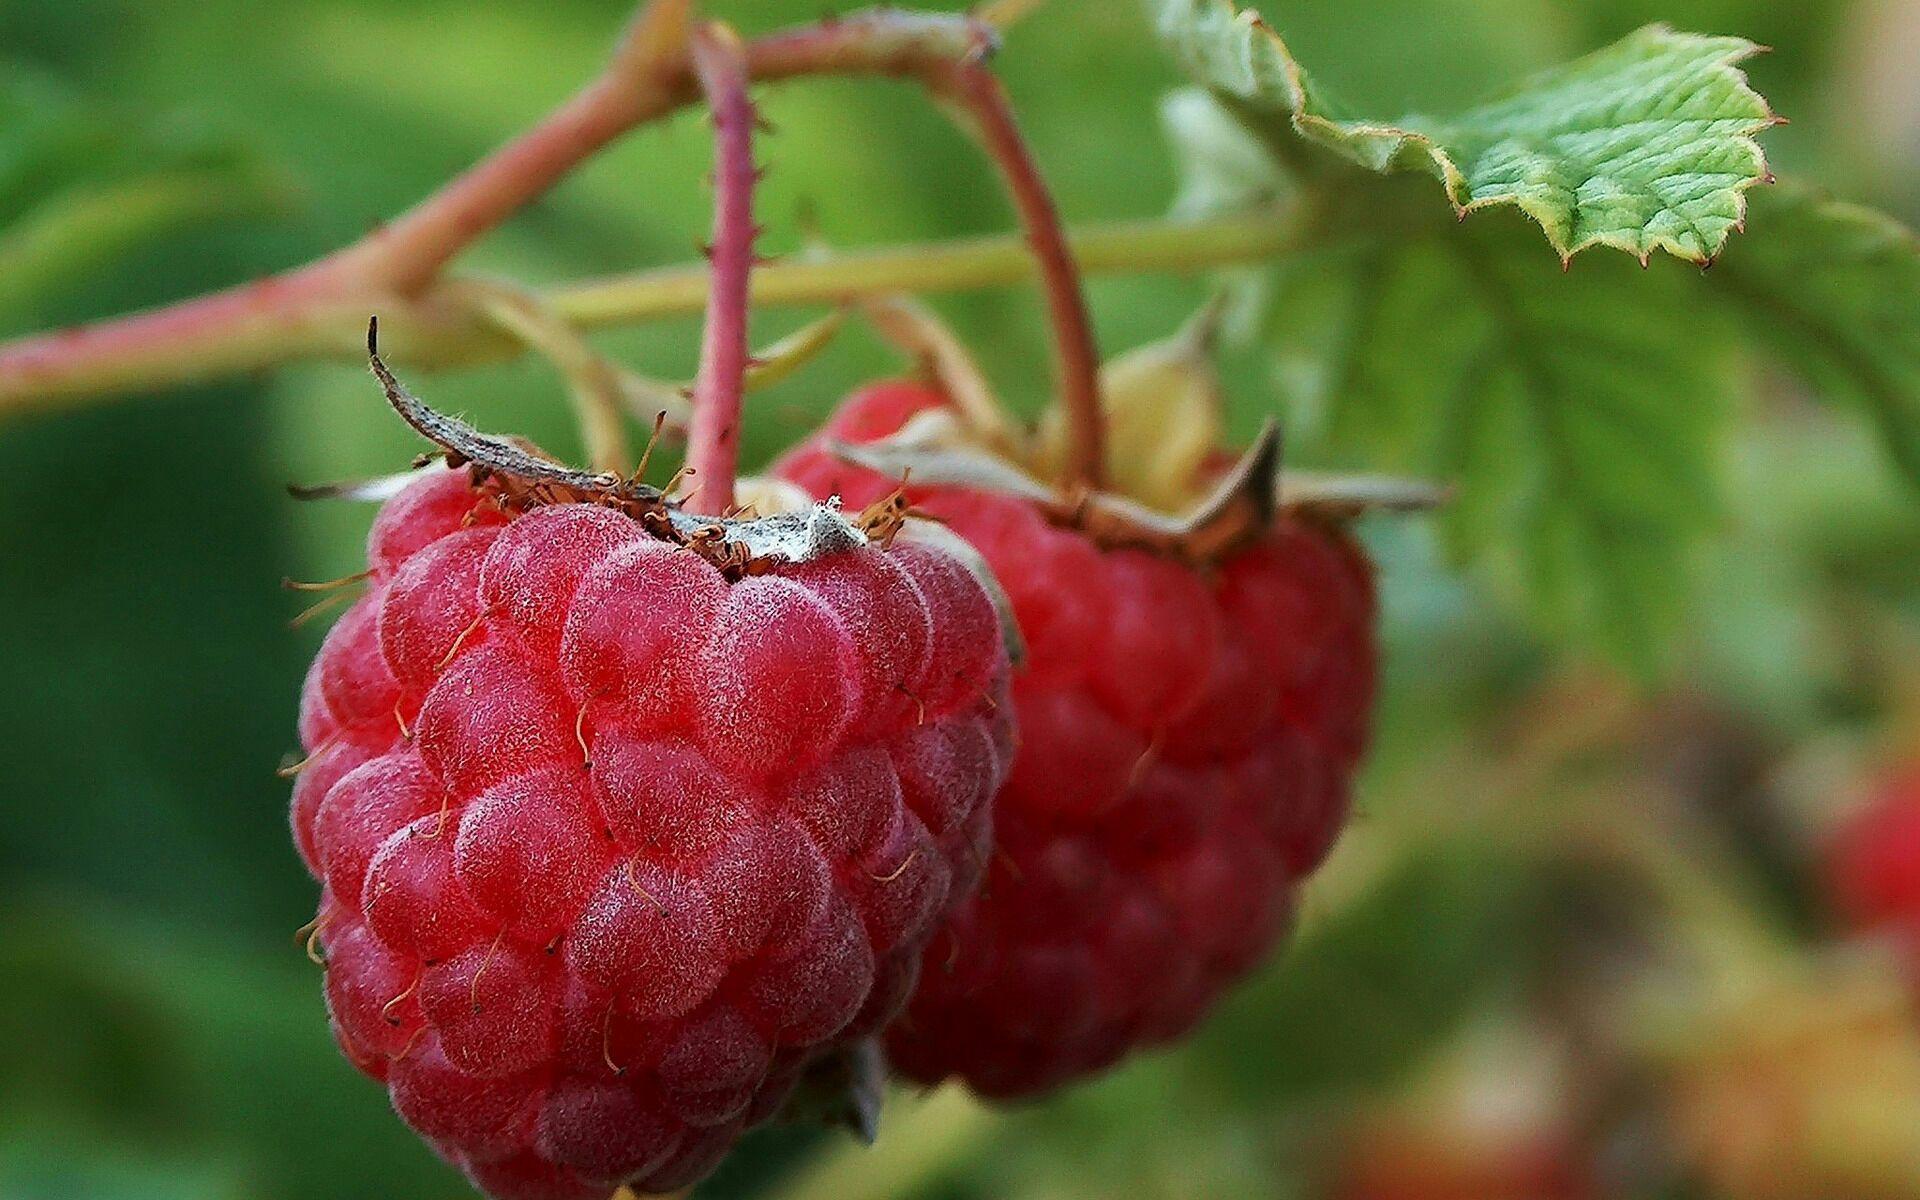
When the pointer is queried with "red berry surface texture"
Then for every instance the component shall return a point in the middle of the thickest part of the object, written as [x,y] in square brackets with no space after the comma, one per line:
[1188,736]
[613,844]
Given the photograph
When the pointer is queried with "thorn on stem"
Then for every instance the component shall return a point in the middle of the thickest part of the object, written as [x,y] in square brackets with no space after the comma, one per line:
[712,445]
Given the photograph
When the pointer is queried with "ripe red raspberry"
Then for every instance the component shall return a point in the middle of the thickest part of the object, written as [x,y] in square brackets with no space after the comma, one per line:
[1873,865]
[1187,742]
[613,845]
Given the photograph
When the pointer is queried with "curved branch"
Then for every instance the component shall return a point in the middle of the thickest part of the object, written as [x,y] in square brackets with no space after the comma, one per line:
[320,310]
[1077,358]
[645,79]
[233,332]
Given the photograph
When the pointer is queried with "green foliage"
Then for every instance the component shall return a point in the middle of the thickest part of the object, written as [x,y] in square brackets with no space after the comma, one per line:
[1832,290]
[1446,924]
[1646,145]
[80,186]
[139,1034]
[1580,415]
[1584,416]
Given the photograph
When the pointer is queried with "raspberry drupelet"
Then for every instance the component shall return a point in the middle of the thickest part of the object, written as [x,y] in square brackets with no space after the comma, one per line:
[1189,736]
[613,844]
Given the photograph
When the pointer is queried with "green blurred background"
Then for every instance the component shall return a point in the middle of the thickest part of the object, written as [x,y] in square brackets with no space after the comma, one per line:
[161,1034]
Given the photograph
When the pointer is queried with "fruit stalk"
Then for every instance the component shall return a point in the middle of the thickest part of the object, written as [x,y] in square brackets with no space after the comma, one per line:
[713,447]
[1077,359]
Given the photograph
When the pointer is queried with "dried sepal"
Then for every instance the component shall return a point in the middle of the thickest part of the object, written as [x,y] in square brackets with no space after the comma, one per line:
[1238,509]
[370,491]
[520,477]
[845,1089]
[524,474]
[938,450]
[1344,497]
[934,450]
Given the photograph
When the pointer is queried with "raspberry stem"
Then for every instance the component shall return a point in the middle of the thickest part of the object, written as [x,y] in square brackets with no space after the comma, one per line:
[713,445]
[645,79]
[1077,359]
[319,311]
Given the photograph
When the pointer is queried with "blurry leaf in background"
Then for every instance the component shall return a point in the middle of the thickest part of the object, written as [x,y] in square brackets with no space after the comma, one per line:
[1581,417]
[130,1032]
[143,677]
[1370,989]
[1832,291]
[80,186]
[65,1163]
[1581,414]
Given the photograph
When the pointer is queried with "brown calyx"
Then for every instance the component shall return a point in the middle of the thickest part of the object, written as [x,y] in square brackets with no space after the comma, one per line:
[519,477]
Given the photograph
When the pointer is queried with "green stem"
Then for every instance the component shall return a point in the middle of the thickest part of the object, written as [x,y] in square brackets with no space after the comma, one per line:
[252,328]
[960,265]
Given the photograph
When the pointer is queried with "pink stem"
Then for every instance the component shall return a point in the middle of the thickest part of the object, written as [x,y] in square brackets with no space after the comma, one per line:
[322,308]
[713,444]
[645,79]
[1076,355]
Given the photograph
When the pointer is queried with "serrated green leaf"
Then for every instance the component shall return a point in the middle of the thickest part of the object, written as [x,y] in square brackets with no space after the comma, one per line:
[1645,145]
[1832,291]
[1581,415]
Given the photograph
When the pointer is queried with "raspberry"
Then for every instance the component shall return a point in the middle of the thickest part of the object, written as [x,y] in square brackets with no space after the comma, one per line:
[1188,739]
[614,844]
[1873,865]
